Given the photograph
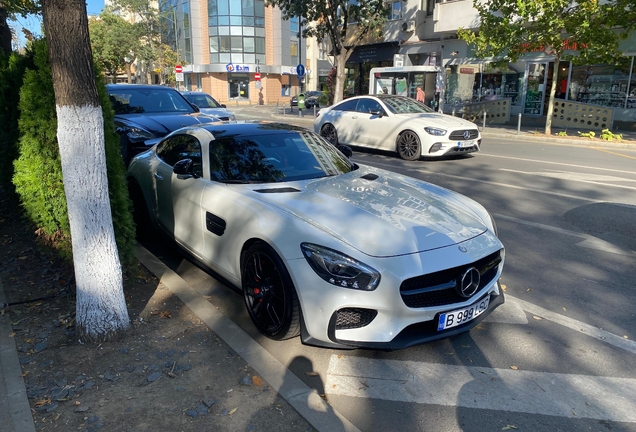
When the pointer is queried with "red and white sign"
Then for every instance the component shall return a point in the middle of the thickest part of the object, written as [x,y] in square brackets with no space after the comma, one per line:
[257,76]
[178,69]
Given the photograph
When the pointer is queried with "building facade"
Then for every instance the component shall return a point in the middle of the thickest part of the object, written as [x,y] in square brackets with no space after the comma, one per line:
[424,33]
[239,51]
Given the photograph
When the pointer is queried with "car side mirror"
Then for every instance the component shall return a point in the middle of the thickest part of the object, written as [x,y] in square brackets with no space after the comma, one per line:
[378,113]
[223,106]
[345,150]
[196,108]
[184,169]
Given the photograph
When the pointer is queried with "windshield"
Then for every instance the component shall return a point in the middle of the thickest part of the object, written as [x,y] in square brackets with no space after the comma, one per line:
[202,100]
[148,100]
[278,157]
[404,105]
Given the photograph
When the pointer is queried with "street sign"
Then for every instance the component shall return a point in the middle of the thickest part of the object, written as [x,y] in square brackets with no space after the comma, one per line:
[300,70]
[178,69]
[257,76]
[179,76]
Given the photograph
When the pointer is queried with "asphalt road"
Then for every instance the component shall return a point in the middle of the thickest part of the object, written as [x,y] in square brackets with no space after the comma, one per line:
[559,355]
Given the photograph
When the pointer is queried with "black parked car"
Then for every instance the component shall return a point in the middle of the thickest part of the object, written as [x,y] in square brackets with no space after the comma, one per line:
[311,99]
[147,112]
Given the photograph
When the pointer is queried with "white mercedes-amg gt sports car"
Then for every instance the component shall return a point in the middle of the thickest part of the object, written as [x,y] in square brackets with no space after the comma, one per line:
[344,255]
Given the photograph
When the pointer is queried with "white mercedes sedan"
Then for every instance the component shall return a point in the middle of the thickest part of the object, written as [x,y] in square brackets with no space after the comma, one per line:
[397,124]
[342,254]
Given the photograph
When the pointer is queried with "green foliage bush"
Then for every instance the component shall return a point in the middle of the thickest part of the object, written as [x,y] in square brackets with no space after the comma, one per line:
[38,174]
[12,69]
[608,135]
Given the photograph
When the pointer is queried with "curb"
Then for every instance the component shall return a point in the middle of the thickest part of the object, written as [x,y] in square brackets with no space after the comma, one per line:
[321,415]
[15,411]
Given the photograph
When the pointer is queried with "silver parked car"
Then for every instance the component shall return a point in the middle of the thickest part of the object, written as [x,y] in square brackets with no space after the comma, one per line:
[209,106]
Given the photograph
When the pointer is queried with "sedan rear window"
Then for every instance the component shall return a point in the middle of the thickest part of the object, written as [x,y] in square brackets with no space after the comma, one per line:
[277,157]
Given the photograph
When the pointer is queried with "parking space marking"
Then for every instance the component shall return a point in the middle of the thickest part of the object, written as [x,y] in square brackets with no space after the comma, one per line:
[561,395]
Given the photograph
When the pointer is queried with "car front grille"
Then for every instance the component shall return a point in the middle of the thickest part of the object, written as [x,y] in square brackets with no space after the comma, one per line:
[351,318]
[440,288]
[458,135]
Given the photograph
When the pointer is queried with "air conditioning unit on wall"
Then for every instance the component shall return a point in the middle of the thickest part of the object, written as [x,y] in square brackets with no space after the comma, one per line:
[408,26]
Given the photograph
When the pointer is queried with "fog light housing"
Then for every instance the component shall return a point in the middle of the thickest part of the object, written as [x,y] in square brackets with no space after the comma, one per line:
[435,147]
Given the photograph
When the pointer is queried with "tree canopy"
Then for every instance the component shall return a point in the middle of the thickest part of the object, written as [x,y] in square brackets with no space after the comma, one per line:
[344,23]
[585,32]
[114,40]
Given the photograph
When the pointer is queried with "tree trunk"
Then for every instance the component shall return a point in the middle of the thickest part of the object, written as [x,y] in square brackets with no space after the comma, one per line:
[101,311]
[341,75]
[555,77]
[128,73]
[5,32]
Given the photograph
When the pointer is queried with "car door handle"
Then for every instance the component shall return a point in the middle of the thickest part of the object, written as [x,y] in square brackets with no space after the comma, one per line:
[354,117]
[158,176]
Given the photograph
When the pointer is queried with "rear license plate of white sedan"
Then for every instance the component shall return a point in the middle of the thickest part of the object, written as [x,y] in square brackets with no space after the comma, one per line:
[460,316]
[468,143]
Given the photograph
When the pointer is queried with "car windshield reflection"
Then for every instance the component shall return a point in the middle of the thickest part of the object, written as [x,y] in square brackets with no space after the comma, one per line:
[272,158]
[402,105]
[137,101]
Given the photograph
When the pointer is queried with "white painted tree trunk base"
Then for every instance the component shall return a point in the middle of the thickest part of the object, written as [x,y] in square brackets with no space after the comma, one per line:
[101,307]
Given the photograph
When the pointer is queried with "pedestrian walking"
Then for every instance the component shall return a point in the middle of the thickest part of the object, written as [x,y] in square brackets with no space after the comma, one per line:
[420,96]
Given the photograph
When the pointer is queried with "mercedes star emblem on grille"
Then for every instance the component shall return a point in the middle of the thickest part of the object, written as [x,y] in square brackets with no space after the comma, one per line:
[469,283]
[466,134]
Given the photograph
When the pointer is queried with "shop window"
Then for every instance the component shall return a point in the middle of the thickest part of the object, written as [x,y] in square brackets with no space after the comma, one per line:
[248,44]
[285,90]
[605,85]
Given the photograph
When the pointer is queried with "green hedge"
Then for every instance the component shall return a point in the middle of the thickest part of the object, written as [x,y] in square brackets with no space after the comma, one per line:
[38,174]
[12,69]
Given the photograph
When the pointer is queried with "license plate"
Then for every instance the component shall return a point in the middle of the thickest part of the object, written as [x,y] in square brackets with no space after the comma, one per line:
[460,316]
[468,143]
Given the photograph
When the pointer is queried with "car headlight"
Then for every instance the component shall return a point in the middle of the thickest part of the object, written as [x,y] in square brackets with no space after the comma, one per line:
[137,133]
[494,225]
[435,131]
[232,117]
[339,269]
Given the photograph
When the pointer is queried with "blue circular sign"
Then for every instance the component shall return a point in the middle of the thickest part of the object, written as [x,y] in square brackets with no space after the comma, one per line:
[300,70]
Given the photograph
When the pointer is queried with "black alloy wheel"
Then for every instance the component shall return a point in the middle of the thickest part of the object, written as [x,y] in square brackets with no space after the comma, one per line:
[270,296]
[408,146]
[329,133]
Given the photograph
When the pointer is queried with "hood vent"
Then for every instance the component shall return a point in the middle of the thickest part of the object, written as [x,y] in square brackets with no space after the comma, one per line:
[370,176]
[277,190]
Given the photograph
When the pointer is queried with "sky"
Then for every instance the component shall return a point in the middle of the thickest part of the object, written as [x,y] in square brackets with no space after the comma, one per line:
[33,23]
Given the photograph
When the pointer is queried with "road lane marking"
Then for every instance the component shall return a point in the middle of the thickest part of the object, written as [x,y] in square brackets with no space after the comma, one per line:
[393,168]
[561,395]
[557,163]
[578,326]
[578,177]
[589,241]
[613,153]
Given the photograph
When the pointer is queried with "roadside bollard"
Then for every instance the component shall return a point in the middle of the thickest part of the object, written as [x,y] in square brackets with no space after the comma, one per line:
[453,114]
[277,112]
[314,111]
[519,125]
[484,126]
[300,112]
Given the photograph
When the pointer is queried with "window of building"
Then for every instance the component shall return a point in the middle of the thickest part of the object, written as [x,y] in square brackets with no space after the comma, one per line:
[430,6]
[395,10]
